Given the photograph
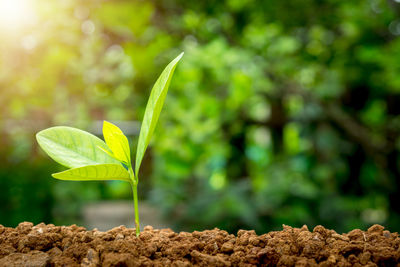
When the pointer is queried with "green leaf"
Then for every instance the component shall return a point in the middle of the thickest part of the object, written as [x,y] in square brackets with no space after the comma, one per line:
[153,110]
[94,172]
[72,147]
[117,142]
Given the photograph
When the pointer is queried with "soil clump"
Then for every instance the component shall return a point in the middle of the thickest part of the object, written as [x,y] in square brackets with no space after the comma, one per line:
[48,245]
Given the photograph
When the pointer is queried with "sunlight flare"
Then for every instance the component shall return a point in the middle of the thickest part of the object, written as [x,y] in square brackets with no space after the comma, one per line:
[15,14]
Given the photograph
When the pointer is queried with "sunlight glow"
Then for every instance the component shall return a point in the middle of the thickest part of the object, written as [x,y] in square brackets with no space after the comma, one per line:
[15,14]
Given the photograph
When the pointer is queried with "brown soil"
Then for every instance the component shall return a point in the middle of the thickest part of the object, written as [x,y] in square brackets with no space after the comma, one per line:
[49,245]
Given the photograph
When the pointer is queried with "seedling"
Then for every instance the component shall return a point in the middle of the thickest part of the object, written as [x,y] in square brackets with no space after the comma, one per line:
[90,158]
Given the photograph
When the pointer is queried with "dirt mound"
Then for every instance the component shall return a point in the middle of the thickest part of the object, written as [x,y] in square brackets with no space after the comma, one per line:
[49,245]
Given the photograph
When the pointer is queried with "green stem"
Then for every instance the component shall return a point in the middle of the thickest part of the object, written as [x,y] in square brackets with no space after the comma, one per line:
[135,199]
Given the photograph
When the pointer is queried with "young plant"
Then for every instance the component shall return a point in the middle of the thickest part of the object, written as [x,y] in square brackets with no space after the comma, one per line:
[90,158]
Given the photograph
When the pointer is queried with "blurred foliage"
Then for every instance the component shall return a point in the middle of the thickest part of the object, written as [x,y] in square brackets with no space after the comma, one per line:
[281,111]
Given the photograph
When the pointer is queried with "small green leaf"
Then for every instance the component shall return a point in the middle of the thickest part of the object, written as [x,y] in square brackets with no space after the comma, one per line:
[153,110]
[72,147]
[117,142]
[94,172]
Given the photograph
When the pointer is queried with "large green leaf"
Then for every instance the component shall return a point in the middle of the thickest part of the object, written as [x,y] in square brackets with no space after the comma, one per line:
[117,142]
[72,147]
[153,110]
[94,172]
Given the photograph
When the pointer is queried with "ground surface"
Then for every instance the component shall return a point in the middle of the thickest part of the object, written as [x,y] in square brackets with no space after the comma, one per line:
[49,245]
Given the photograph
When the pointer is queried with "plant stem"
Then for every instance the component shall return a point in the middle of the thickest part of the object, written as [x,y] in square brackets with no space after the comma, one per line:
[135,201]
[134,183]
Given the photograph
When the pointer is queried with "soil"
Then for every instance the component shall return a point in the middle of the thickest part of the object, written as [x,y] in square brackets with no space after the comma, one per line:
[49,245]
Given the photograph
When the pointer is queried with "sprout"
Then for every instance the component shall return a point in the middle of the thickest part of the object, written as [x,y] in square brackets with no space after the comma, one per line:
[90,158]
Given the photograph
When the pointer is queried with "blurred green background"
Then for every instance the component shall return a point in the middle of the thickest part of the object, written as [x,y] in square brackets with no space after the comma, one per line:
[281,112]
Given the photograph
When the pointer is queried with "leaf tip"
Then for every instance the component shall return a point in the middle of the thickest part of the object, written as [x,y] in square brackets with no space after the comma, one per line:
[39,137]
[106,123]
[39,134]
[180,56]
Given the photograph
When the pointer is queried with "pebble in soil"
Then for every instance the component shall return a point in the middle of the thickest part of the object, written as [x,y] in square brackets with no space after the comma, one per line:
[49,245]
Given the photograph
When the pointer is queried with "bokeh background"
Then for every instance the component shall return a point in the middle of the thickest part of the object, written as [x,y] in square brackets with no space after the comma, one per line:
[280,112]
